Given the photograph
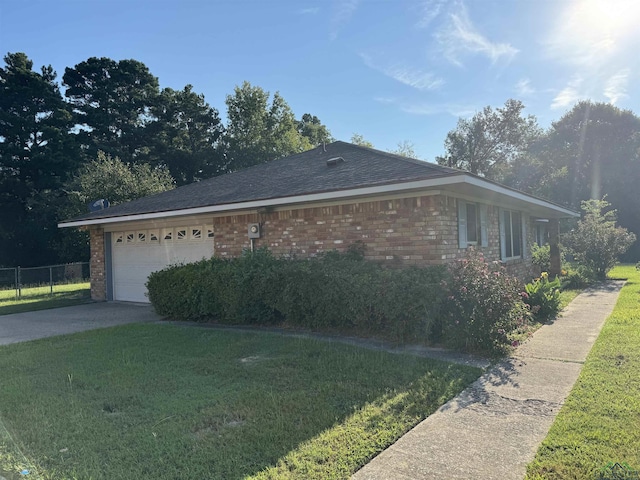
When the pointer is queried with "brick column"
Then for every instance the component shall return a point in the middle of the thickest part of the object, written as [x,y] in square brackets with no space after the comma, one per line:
[98,281]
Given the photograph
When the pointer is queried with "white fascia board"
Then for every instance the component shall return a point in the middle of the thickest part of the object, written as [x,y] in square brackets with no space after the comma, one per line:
[518,195]
[324,196]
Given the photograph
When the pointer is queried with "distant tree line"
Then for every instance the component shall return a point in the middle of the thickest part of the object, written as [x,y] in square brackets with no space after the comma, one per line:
[116,134]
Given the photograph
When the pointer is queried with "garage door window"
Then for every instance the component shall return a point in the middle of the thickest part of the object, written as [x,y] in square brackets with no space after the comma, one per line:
[130,237]
[154,236]
[142,236]
[181,234]
[196,233]
[119,238]
[167,236]
[209,231]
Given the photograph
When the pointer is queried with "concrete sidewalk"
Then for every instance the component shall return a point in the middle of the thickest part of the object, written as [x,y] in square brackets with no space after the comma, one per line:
[493,428]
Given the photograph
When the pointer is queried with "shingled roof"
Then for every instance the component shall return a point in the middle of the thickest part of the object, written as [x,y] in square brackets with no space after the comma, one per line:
[331,168]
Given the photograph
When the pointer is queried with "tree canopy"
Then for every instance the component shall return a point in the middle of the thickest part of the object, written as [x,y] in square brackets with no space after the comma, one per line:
[260,129]
[111,101]
[489,142]
[185,135]
[36,157]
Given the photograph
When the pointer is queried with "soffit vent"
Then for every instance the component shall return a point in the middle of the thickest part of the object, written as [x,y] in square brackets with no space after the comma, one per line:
[334,161]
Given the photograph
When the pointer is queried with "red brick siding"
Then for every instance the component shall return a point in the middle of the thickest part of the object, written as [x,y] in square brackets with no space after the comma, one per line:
[98,280]
[408,231]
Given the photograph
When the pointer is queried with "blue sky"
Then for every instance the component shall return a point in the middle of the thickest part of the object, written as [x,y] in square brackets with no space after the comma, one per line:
[392,71]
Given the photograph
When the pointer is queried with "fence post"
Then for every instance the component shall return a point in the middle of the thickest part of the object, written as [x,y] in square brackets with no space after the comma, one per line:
[19,283]
[50,280]
[15,277]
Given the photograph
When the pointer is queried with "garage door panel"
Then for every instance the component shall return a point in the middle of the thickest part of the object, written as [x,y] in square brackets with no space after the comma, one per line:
[133,263]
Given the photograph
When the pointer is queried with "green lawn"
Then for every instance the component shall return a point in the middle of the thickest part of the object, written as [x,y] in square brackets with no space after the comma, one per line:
[39,298]
[168,402]
[600,421]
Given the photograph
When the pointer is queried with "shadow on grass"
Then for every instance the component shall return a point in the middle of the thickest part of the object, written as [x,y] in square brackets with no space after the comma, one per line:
[168,400]
[44,302]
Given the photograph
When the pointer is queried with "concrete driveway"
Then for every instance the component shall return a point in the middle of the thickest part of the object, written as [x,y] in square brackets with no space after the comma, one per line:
[22,327]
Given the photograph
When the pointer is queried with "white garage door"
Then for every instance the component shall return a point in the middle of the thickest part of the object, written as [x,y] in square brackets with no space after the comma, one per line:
[136,254]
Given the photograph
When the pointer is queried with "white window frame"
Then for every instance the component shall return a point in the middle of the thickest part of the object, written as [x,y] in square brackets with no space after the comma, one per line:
[521,225]
[481,224]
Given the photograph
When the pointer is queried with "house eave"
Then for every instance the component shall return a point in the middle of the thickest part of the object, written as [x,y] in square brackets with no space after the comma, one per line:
[451,181]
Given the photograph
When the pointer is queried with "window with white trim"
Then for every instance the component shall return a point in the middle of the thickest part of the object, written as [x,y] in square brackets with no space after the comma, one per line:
[181,234]
[130,237]
[142,236]
[167,234]
[511,234]
[154,236]
[472,224]
[119,237]
[196,233]
[209,229]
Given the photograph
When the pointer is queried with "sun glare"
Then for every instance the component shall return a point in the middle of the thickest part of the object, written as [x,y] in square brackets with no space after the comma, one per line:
[606,20]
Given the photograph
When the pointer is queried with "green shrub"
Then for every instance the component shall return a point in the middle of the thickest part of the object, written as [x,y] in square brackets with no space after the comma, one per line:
[541,257]
[576,278]
[543,296]
[335,291]
[596,242]
[483,305]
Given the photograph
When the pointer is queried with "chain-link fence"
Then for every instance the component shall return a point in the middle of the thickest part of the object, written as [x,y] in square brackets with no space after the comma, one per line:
[36,281]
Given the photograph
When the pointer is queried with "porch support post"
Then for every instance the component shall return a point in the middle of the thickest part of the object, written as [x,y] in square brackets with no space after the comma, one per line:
[554,248]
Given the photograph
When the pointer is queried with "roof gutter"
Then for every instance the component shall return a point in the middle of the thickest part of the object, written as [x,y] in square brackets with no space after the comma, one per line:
[323,196]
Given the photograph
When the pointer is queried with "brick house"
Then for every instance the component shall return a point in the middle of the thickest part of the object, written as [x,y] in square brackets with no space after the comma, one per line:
[406,212]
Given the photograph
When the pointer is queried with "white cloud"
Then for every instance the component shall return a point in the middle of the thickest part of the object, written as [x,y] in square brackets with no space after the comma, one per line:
[524,88]
[430,10]
[616,87]
[455,110]
[410,76]
[309,11]
[569,94]
[343,12]
[459,36]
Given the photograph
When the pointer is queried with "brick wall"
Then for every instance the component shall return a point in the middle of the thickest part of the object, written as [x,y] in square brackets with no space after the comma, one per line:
[98,280]
[410,231]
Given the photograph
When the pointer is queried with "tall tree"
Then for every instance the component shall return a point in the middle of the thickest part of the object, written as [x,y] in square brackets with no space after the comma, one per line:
[37,155]
[185,135]
[112,102]
[259,131]
[490,141]
[310,127]
[594,150]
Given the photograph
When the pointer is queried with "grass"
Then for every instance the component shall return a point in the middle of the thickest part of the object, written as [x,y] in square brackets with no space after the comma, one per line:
[165,402]
[600,420]
[39,298]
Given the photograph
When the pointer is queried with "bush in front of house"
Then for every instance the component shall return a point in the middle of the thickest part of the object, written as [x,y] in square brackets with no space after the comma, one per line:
[596,242]
[483,305]
[469,305]
[543,296]
[333,292]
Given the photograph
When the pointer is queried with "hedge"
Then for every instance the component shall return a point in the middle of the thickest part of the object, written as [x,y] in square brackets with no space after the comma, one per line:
[335,291]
